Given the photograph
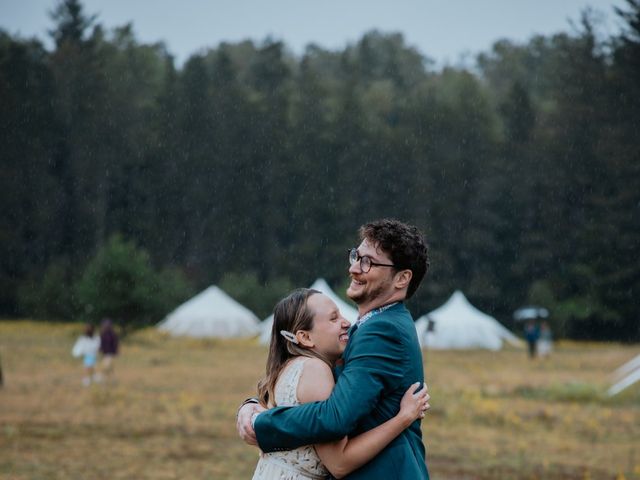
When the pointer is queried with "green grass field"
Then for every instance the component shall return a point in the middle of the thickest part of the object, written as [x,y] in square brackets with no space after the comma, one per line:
[170,414]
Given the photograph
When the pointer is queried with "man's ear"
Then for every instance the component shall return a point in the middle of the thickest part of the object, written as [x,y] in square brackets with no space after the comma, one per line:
[403,278]
[304,339]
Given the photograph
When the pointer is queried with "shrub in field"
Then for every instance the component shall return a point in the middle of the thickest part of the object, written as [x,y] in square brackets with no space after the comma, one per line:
[120,283]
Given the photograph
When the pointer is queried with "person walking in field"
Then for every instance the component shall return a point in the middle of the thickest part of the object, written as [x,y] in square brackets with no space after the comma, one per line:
[308,337]
[108,348]
[87,346]
[532,335]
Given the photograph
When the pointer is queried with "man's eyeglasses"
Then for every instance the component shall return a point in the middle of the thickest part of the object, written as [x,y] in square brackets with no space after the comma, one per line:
[365,261]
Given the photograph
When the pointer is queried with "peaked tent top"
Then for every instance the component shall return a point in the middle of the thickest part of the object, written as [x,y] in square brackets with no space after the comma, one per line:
[459,325]
[348,311]
[211,313]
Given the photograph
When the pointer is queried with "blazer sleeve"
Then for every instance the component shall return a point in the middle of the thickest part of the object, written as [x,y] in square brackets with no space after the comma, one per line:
[376,364]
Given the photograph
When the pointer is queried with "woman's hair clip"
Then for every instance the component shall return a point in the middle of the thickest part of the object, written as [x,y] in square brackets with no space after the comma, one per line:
[289,336]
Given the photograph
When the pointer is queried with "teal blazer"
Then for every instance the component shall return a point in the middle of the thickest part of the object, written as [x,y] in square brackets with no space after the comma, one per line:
[382,359]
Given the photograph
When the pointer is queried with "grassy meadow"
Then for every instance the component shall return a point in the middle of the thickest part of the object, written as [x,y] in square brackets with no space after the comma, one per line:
[170,411]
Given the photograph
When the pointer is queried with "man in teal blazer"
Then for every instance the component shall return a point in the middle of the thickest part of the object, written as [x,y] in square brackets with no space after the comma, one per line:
[382,359]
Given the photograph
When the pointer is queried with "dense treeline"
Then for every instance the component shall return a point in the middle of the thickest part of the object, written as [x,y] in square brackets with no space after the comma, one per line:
[250,165]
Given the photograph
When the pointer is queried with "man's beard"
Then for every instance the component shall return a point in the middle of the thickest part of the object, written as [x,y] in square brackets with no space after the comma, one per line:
[368,296]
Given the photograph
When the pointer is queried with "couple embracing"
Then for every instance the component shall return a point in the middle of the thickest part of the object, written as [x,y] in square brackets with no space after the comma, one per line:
[365,424]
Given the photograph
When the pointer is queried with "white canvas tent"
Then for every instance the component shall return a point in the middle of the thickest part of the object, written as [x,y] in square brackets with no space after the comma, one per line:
[348,311]
[265,330]
[211,313]
[459,325]
[627,375]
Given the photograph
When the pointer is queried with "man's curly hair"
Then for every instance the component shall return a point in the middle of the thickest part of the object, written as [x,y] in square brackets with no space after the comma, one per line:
[405,245]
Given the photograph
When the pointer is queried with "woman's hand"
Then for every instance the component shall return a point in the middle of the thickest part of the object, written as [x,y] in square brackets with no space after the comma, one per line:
[346,455]
[414,403]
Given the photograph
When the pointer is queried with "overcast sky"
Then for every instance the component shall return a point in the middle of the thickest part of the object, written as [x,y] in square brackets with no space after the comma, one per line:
[445,30]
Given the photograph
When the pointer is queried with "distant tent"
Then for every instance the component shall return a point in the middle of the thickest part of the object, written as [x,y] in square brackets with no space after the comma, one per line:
[459,325]
[423,325]
[347,310]
[211,313]
[627,374]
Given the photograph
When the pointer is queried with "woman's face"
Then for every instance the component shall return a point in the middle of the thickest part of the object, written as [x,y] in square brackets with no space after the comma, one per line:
[329,332]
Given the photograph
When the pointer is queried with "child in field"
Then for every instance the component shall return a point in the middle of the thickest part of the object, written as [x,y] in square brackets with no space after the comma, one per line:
[108,348]
[87,347]
[309,335]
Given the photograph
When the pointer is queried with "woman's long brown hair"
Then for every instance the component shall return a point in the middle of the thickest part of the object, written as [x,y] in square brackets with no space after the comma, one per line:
[290,314]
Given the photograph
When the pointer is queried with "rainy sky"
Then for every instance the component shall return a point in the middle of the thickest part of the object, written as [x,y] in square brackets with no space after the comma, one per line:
[448,31]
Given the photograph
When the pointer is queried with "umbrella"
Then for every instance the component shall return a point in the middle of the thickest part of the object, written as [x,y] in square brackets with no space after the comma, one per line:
[530,313]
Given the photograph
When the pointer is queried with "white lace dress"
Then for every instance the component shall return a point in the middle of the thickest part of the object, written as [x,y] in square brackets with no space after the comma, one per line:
[302,463]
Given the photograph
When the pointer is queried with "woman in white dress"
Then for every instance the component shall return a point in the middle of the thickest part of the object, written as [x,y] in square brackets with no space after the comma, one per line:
[308,337]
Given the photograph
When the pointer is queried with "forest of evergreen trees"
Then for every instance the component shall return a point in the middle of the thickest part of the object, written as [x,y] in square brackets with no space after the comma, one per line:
[250,165]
